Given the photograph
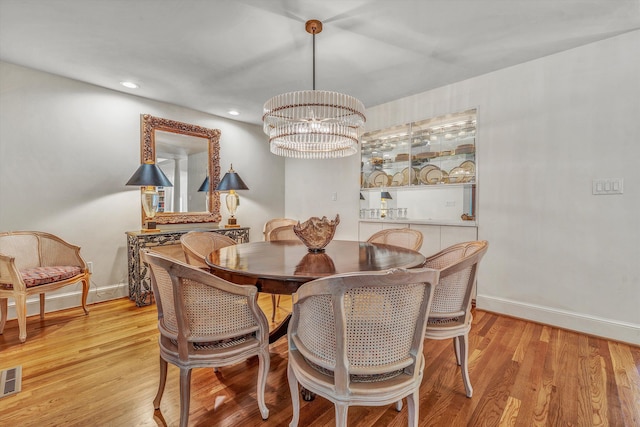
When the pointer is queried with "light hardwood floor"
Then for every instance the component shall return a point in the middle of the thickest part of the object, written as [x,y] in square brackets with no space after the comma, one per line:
[102,370]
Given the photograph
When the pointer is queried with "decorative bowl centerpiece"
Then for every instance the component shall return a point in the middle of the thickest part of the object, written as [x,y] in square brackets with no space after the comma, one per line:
[316,233]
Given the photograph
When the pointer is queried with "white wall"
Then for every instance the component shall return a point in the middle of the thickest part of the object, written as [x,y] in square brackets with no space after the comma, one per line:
[67,148]
[546,129]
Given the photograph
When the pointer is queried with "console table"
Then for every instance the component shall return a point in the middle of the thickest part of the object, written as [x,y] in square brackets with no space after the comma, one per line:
[139,281]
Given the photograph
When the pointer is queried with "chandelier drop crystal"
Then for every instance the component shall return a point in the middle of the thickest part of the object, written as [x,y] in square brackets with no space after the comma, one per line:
[313,124]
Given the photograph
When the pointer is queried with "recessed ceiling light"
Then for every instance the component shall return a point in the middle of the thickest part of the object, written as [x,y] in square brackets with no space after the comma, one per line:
[234,112]
[130,85]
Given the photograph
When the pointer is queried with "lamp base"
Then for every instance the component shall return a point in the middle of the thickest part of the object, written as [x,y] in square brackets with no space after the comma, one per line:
[151,227]
[232,223]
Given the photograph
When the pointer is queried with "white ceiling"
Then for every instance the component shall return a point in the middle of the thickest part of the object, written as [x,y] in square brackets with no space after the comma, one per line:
[214,56]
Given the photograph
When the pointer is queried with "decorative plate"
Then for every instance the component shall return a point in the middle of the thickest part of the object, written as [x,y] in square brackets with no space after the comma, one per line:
[457,175]
[422,175]
[406,179]
[469,166]
[379,179]
[436,176]
[372,177]
[397,179]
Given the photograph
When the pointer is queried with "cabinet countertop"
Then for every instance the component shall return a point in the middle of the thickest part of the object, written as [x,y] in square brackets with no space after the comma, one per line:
[422,221]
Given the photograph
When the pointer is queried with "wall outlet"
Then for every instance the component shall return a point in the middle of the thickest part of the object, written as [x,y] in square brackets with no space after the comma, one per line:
[90,266]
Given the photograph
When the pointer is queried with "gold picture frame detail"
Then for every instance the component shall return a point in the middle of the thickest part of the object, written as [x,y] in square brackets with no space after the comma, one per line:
[148,125]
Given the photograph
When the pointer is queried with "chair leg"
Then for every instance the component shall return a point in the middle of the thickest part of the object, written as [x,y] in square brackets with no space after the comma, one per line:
[163,382]
[263,369]
[295,398]
[42,306]
[342,410]
[456,349]
[85,294]
[413,401]
[3,313]
[21,314]
[399,405]
[185,395]
[463,343]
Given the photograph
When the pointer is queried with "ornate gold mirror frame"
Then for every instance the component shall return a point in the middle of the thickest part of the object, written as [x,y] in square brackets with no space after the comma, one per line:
[148,125]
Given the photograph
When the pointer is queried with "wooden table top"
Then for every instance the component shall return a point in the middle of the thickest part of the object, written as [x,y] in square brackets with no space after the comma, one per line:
[261,263]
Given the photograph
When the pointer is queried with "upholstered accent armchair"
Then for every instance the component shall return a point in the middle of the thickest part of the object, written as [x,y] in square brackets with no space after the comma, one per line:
[33,262]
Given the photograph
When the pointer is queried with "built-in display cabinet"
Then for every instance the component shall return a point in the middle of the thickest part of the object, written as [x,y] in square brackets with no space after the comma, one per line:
[421,174]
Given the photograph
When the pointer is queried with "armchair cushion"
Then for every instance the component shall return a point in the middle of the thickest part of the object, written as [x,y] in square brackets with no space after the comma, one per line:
[42,275]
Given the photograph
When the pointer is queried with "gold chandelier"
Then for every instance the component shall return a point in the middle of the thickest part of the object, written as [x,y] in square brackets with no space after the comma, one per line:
[313,124]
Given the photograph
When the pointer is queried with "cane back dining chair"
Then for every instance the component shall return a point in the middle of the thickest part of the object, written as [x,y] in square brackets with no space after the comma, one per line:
[357,339]
[205,321]
[275,223]
[451,309]
[279,229]
[403,237]
[283,233]
[197,245]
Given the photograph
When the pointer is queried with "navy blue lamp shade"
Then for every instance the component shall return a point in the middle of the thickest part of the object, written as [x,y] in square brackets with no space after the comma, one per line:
[205,185]
[149,174]
[231,181]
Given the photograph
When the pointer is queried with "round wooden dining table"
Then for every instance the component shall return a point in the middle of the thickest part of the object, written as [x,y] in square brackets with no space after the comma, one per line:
[281,267]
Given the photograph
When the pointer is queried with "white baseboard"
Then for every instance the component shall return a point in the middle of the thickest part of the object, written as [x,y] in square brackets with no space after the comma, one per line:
[64,300]
[592,325]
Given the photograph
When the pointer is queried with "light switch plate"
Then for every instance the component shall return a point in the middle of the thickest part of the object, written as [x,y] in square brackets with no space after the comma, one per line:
[607,186]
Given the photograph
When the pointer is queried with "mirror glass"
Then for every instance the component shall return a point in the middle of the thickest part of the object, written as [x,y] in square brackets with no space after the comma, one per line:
[183,159]
[187,154]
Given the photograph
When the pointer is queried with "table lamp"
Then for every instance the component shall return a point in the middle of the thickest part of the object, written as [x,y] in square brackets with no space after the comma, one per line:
[231,182]
[384,196]
[149,176]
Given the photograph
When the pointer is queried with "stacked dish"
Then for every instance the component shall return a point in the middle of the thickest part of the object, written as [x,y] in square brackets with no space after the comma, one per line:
[432,174]
[378,179]
[465,148]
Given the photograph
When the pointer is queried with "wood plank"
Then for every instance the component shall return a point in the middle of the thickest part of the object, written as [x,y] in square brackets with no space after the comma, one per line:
[102,370]
[627,381]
